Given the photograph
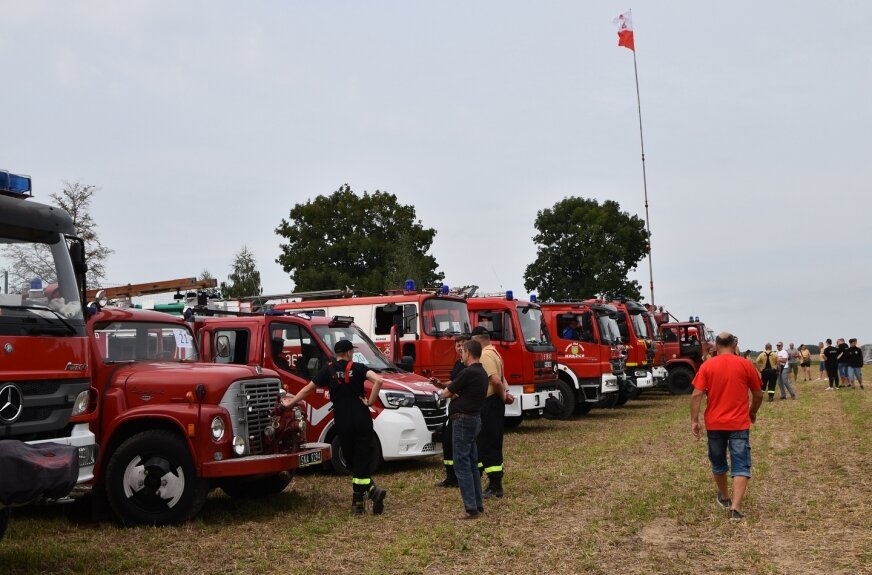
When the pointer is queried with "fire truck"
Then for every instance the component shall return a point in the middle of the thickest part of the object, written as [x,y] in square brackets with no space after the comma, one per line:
[414,329]
[45,378]
[517,329]
[589,361]
[636,326]
[171,426]
[409,416]
[686,344]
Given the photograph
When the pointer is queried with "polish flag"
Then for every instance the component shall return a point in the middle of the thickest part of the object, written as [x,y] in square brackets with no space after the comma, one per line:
[625,30]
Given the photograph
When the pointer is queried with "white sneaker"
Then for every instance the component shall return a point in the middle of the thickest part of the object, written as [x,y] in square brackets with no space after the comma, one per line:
[829,388]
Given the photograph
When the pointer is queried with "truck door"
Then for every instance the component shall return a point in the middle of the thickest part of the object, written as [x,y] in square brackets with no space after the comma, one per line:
[296,350]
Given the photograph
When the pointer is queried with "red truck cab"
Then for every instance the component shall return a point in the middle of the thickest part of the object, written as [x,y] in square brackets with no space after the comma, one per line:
[171,427]
[639,344]
[408,418]
[518,331]
[686,345]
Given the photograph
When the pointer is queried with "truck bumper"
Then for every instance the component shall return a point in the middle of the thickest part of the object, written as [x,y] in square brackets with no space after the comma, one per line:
[403,434]
[82,438]
[643,378]
[609,383]
[528,401]
[309,454]
[659,374]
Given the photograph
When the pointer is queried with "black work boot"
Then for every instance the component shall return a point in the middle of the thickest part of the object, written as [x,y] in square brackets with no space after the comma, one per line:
[450,478]
[377,496]
[495,485]
[357,501]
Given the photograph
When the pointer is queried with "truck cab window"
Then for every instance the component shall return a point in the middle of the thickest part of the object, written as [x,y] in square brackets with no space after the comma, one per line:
[297,350]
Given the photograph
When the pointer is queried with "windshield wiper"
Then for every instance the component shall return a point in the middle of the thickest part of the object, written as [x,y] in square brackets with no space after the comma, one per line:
[42,308]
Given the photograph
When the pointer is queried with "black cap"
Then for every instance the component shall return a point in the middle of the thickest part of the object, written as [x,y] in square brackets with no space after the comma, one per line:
[342,346]
[480,330]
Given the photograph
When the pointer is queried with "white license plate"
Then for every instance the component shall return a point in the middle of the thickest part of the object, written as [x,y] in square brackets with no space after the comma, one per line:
[310,458]
[548,364]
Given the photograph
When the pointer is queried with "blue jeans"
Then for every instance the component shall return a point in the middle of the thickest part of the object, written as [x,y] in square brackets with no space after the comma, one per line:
[465,430]
[739,444]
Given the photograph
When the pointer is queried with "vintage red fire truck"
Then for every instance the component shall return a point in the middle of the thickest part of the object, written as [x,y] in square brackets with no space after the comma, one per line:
[589,361]
[171,427]
[414,329]
[45,377]
[408,418]
[518,331]
[686,345]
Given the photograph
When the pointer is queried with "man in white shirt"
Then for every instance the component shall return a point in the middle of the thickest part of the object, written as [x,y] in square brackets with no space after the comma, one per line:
[784,372]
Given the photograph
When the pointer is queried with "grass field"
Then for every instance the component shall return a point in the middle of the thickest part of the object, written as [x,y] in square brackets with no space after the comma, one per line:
[617,491]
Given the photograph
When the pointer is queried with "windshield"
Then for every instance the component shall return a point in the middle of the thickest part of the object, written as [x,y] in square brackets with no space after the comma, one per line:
[533,327]
[609,331]
[639,325]
[652,326]
[38,290]
[445,317]
[365,351]
[129,341]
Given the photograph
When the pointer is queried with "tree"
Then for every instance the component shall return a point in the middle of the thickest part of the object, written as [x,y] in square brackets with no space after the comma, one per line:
[370,243]
[205,275]
[244,279]
[34,260]
[586,249]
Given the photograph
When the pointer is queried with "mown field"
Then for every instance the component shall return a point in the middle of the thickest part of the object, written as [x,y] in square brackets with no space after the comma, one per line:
[617,491]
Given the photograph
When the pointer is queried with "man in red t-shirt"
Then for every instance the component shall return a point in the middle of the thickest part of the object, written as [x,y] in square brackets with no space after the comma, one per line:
[725,380]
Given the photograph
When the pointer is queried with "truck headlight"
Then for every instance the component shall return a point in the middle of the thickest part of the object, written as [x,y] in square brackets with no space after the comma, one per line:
[217,428]
[396,399]
[238,445]
[80,405]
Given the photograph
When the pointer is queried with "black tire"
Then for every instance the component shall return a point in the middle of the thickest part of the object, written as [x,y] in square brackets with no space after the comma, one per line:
[4,520]
[257,488]
[632,392]
[337,460]
[567,401]
[608,400]
[623,397]
[583,408]
[512,421]
[145,464]
[680,381]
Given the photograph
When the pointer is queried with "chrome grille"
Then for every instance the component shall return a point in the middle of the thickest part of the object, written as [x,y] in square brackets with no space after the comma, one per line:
[257,399]
[433,409]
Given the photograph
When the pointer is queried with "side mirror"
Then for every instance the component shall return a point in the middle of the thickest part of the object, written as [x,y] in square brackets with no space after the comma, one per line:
[407,363]
[222,346]
[77,254]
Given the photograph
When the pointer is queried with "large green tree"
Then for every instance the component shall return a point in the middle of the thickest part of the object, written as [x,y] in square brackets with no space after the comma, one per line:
[369,243]
[244,277]
[585,249]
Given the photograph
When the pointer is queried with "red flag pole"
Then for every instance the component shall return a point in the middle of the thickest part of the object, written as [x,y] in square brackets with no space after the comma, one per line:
[644,177]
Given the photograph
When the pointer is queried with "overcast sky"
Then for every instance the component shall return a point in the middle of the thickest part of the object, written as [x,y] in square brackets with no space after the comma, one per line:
[203,123]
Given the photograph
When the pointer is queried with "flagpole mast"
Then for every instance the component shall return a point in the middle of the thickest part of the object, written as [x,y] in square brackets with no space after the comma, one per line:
[644,179]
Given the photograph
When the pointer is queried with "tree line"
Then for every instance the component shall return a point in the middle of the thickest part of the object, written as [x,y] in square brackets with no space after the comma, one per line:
[371,243]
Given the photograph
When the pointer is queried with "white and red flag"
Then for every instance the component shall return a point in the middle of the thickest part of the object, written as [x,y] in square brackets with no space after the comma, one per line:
[624,22]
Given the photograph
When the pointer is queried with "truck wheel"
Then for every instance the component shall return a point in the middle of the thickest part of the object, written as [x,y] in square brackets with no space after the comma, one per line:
[338,458]
[151,480]
[679,381]
[566,405]
[622,398]
[4,520]
[608,400]
[257,488]
[512,421]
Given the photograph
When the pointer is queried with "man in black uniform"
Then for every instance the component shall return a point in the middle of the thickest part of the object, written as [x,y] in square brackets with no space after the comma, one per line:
[467,393]
[352,419]
[447,436]
[832,363]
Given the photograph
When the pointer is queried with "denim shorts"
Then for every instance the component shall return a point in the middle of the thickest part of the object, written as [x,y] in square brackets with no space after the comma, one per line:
[740,452]
[843,370]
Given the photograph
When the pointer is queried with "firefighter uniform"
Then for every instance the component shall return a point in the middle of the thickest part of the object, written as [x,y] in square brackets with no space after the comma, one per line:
[353,422]
[493,413]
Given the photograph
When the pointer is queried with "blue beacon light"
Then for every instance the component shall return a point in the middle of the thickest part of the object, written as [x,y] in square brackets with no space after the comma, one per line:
[409,285]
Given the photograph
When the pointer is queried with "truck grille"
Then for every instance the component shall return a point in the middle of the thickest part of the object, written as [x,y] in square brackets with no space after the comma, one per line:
[433,409]
[257,399]
[47,405]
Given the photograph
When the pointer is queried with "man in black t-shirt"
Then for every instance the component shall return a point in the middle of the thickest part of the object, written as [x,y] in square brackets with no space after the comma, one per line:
[447,441]
[854,357]
[467,394]
[351,416]
[843,361]
[831,361]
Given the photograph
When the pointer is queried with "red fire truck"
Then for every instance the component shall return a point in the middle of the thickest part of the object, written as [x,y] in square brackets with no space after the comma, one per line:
[409,417]
[686,344]
[589,362]
[635,325]
[171,427]
[45,377]
[518,331]
[414,329]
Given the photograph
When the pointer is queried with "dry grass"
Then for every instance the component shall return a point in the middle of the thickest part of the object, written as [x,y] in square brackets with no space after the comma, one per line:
[618,491]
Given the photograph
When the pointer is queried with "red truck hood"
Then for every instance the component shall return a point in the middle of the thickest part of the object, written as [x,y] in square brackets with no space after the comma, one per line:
[408,382]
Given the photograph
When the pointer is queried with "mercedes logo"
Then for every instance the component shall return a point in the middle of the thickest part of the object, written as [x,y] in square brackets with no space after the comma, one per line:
[11,403]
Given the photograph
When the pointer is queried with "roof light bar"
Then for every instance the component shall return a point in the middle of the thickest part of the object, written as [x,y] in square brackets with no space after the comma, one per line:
[15,183]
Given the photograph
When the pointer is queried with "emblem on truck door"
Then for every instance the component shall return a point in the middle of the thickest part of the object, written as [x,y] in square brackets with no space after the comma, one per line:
[11,403]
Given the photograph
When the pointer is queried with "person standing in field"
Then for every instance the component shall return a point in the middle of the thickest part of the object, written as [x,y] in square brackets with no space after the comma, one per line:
[767,363]
[793,362]
[842,360]
[805,362]
[855,363]
[447,436]
[822,366]
[784,372]
[831,360]
[726,380]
